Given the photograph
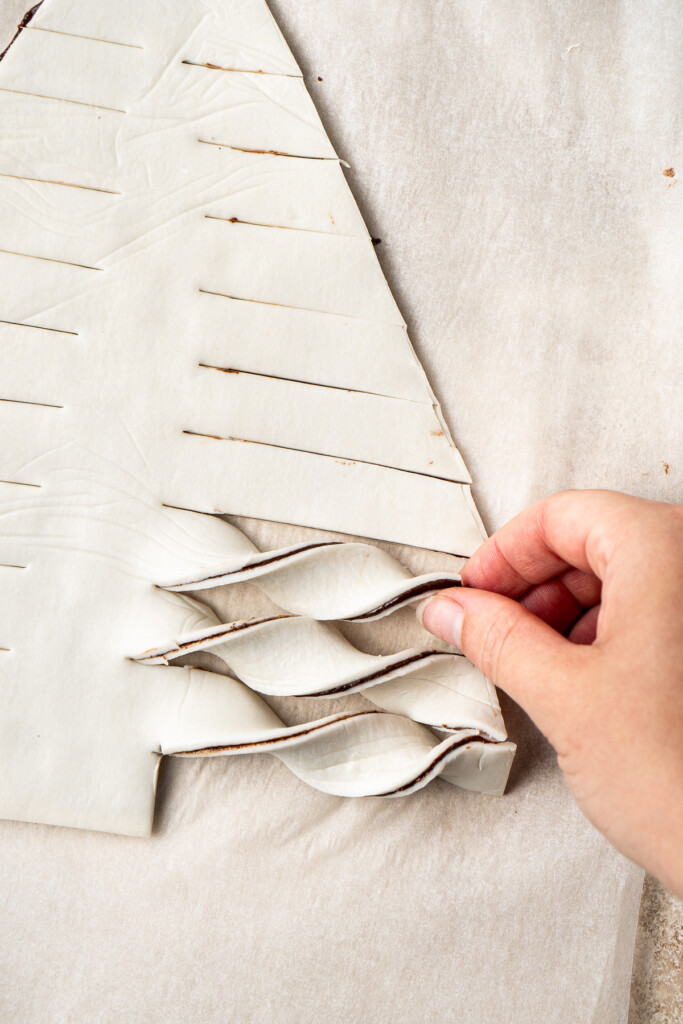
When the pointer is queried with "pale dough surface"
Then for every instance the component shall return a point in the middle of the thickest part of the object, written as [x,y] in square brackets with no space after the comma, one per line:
[140,183]
[528,233]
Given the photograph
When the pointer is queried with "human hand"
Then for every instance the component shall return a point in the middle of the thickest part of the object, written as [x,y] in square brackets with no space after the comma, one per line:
[575,608]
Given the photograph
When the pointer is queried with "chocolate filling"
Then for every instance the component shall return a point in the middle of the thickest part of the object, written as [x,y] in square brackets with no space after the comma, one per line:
[190,645]
[380,672]
[257,565]
[407,595]
[438,760]
[275,739]
[21,26]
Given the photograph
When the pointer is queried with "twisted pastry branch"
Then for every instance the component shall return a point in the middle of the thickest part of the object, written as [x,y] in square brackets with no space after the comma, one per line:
[294,656]
[326,580]
[366,753]
[349,754]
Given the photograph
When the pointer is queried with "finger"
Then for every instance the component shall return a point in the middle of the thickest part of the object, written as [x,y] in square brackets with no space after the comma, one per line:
[585,630]
[572,528]
[561,601]
[552,603]
[523,655]
[584,586]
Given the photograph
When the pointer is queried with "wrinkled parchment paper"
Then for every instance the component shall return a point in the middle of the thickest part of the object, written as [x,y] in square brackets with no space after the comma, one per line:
[511,159]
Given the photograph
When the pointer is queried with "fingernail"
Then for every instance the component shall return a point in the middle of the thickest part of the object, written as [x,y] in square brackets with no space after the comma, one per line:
[442,616]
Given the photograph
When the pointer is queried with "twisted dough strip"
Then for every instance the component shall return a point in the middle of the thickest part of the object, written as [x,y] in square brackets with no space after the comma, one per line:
[349,754]
[365,753]
[294,656]
[324,580]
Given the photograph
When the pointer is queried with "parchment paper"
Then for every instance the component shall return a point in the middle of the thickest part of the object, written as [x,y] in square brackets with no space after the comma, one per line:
[511,159]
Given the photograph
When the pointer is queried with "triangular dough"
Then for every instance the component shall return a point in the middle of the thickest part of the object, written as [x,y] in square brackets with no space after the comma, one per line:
[193,318]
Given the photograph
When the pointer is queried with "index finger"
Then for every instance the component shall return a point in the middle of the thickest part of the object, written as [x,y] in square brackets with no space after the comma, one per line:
[568,529]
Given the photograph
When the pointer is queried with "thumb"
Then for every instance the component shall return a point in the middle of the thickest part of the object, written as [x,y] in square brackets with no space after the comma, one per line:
[517,651]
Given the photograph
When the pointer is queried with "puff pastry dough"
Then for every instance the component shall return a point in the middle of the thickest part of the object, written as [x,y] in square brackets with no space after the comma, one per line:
[193,321]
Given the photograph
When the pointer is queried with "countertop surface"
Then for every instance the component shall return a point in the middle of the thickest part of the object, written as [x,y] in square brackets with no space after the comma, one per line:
[657,983]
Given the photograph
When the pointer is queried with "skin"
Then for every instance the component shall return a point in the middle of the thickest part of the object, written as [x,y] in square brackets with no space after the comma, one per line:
[575,608]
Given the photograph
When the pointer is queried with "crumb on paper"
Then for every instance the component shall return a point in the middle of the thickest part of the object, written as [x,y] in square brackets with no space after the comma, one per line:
[669,173]
[377,241]
[666,468]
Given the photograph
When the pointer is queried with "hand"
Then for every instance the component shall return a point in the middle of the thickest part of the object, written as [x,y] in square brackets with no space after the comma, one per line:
[578,615]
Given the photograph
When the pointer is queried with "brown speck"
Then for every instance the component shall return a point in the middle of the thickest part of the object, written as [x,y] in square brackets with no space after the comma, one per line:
[436,433]
[319,78]
[431,462]
[215,437]
[220,369]
[377,241]
[666,468]
[669,172]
